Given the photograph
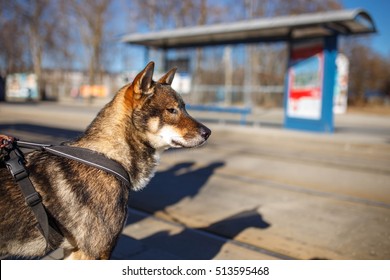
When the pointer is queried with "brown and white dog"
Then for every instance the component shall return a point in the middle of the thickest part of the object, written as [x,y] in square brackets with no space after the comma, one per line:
[89,205]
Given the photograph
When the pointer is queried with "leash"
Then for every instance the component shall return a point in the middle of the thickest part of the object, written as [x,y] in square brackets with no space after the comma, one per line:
[15,162]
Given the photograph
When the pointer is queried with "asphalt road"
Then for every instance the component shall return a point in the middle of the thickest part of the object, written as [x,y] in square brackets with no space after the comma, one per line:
[252,192]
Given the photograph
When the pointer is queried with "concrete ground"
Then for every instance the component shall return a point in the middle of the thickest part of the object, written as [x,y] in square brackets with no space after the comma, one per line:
[253,192]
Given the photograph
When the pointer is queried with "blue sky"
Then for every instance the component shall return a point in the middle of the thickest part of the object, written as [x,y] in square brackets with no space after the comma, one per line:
[379,11]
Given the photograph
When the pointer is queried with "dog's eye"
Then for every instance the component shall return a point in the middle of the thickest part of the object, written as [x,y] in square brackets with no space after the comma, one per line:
[172,110]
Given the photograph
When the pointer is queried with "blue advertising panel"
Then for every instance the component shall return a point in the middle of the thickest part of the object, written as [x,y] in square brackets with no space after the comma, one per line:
[309,85]
[21,86]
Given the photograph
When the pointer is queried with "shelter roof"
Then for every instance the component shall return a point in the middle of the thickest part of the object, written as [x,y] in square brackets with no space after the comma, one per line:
[282,28]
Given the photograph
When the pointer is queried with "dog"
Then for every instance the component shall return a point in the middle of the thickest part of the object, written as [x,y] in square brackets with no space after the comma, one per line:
[89,205]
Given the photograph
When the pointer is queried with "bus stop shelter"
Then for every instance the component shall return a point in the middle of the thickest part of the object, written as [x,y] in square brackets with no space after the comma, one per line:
[312,40]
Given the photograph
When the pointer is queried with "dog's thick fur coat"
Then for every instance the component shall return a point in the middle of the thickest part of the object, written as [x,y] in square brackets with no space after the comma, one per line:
[89,205]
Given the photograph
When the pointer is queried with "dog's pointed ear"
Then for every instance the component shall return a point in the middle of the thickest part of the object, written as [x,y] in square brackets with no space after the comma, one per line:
[143,82]
[168,77]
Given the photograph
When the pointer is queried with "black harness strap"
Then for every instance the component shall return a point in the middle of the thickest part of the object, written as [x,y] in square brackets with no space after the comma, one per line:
[85,156]
[93,159]
[15,165]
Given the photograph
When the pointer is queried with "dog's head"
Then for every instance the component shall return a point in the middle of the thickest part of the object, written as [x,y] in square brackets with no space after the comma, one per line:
[159,112]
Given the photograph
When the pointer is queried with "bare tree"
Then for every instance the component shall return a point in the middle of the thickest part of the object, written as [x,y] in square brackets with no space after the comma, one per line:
[92,18]
[40,28]
[174,13]
[33,31]
[179,13]
[369,71]
[12,41]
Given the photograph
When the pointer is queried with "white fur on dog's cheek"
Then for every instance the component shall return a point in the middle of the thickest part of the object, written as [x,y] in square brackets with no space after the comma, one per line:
[170,137]
[168,133]
[162,139]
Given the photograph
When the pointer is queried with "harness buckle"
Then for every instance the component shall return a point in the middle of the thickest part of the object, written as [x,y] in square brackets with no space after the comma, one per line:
[17,169]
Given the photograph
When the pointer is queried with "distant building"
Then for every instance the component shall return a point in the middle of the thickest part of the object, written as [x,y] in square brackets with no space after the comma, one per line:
[67,84]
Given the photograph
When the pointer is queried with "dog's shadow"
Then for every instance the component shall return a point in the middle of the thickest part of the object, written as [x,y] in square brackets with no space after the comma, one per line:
[172,185]
[191,243]
[166,189]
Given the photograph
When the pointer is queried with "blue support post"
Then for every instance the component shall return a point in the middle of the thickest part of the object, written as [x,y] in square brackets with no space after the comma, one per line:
[329,82]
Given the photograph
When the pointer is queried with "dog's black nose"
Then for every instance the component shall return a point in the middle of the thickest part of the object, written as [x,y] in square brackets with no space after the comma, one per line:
[205,132]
